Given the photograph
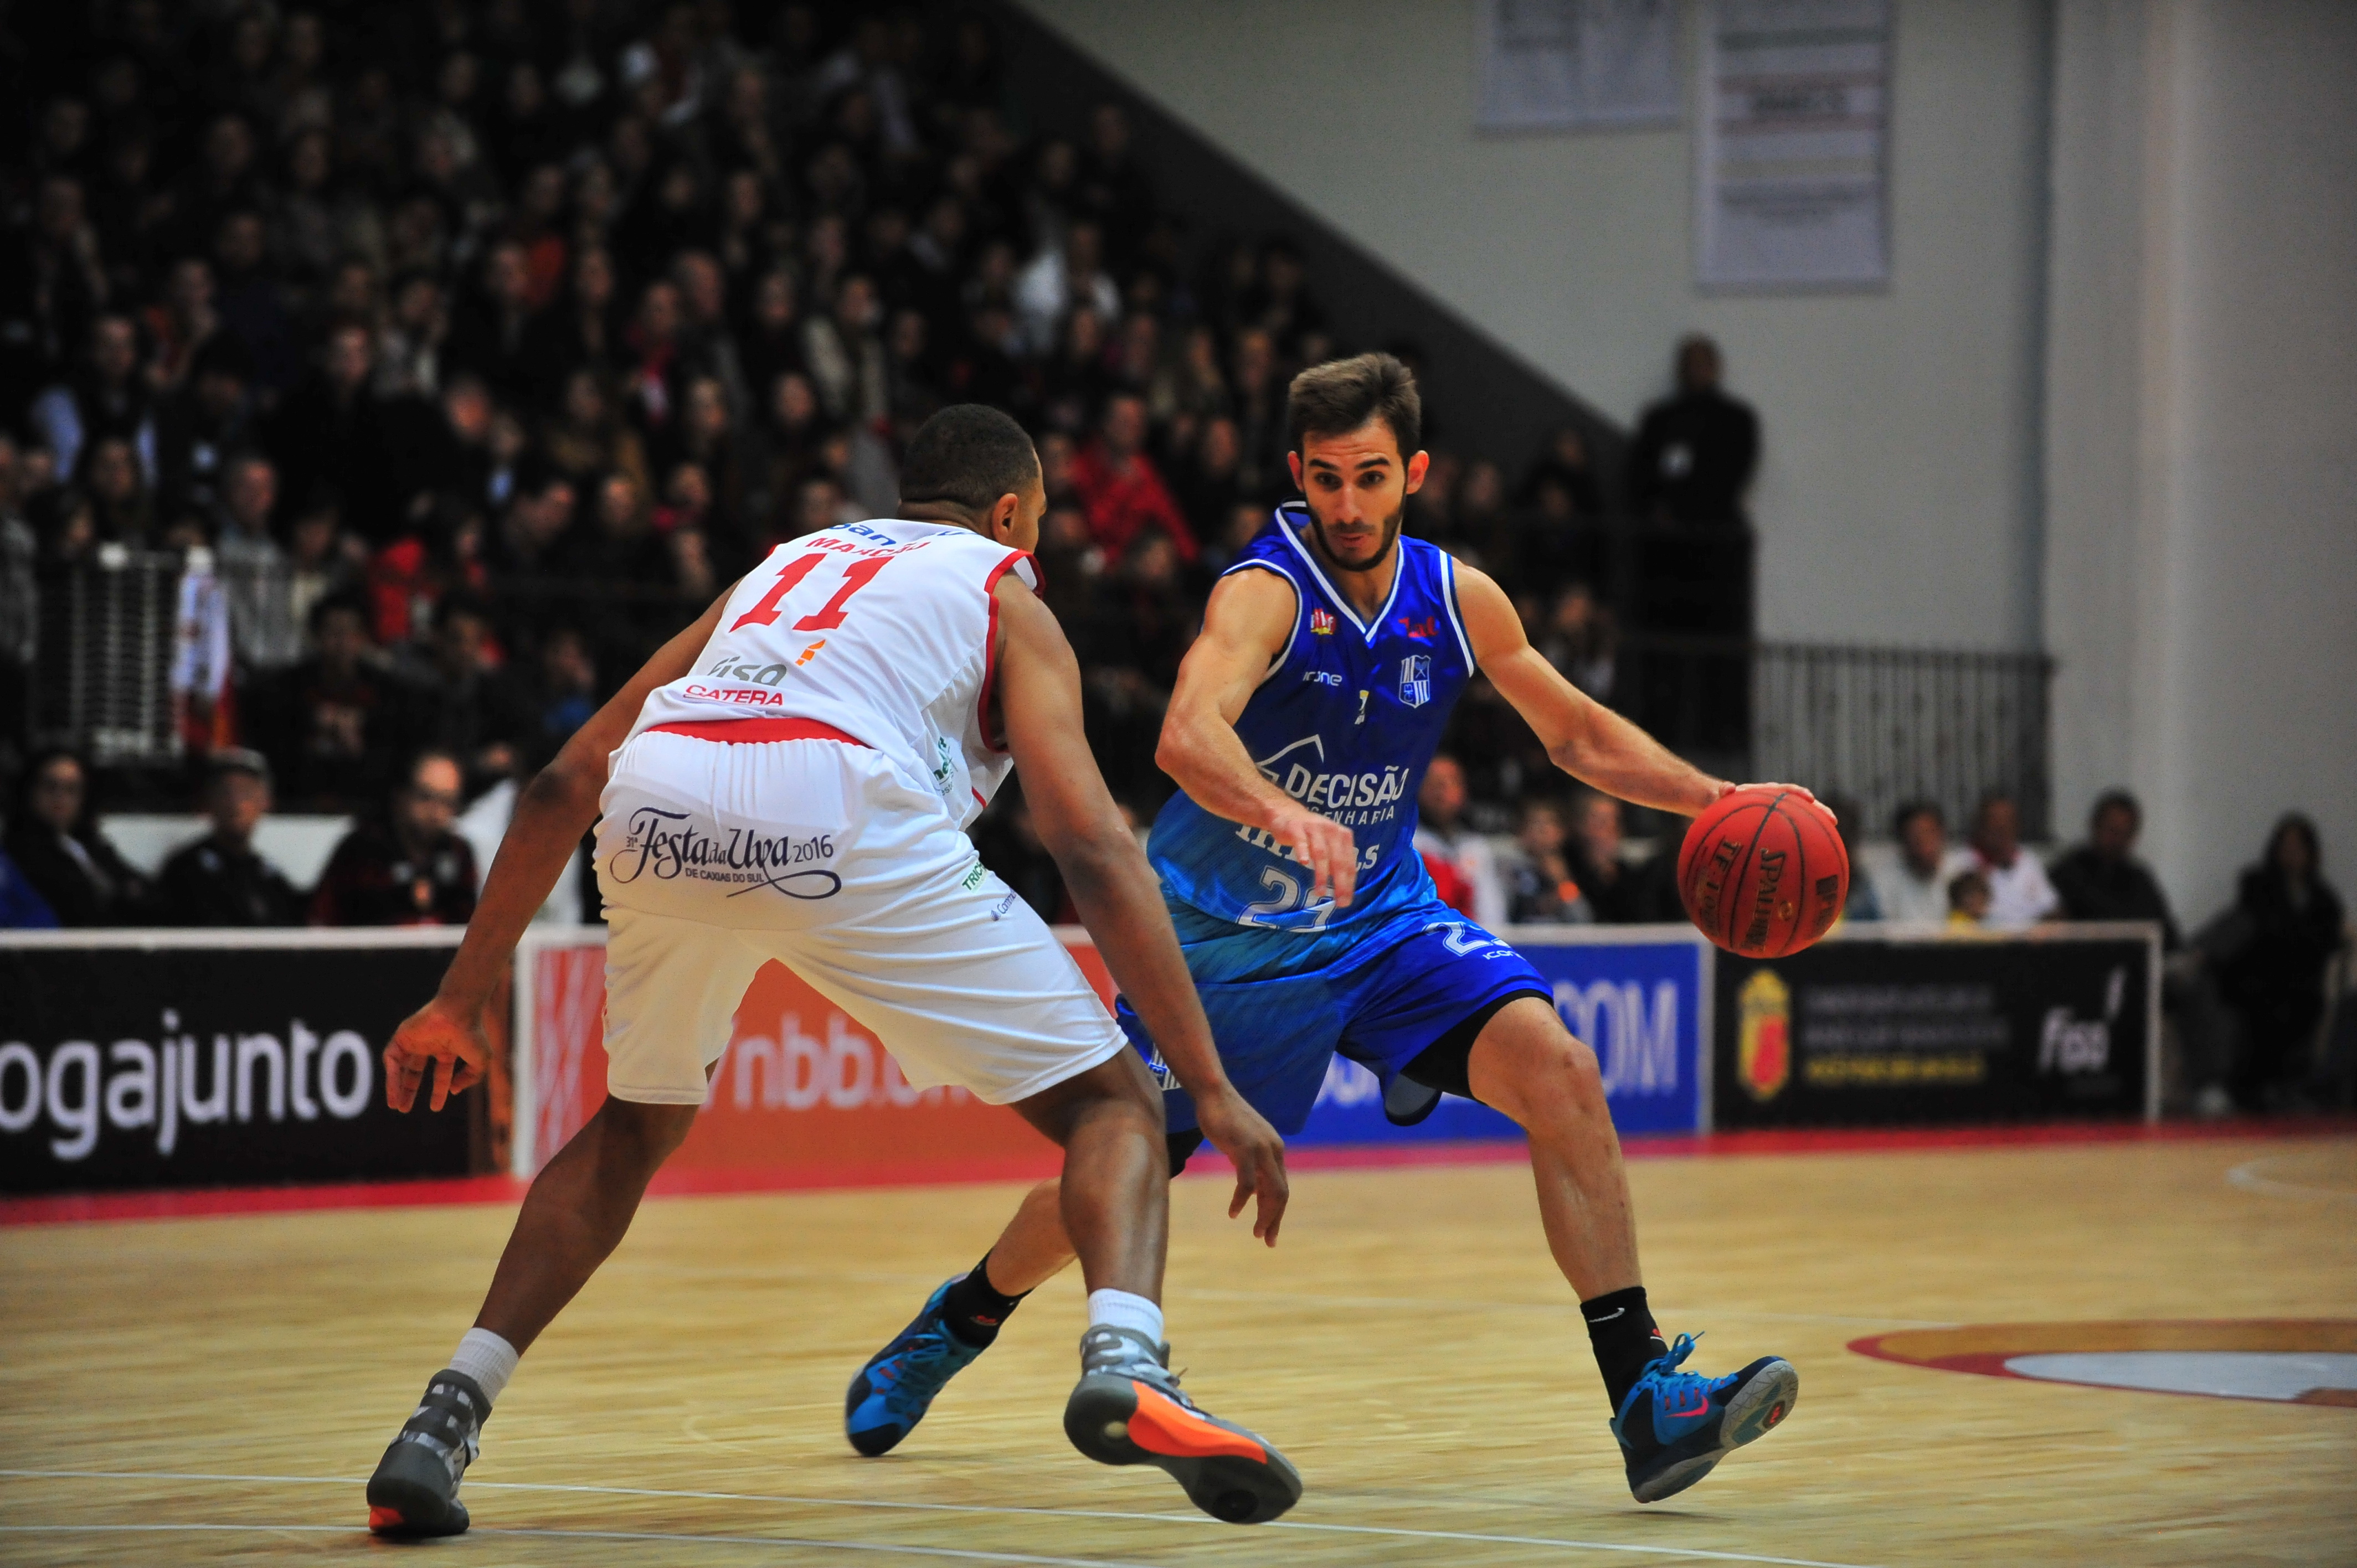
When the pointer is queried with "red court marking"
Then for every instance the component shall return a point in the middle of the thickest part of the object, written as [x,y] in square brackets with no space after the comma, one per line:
[65,1209]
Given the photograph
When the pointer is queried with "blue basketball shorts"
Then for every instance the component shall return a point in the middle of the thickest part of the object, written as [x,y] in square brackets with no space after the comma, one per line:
[1283,1003]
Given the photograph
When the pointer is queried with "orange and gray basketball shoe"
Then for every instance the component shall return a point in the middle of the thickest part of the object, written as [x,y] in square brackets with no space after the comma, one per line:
[1674,1426]
[1128,1410]
[415,1488]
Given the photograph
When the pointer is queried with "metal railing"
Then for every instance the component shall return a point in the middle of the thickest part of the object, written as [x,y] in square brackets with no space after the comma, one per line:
[102,673]
[1881,725]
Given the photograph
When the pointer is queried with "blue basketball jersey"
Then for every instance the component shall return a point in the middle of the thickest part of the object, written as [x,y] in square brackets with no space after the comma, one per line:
[1346,723]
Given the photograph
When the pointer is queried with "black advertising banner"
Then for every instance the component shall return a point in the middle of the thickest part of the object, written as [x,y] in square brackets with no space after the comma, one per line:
[177,1066]
[1864,1031]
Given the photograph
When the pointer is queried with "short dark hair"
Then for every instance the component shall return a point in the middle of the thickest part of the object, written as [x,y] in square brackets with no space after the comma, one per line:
[2117,801]
[1910,810]
[968,455]
[1338,396]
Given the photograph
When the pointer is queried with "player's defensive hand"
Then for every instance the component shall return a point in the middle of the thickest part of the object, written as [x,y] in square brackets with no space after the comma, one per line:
[1252,1146]
[1325,846]
[437,1032]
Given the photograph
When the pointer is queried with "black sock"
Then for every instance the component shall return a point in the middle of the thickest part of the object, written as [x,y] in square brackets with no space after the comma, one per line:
[1621,1331]
[973,1310]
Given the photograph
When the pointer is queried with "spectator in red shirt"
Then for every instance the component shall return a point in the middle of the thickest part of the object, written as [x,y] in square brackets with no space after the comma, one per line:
[1120,490]
[408,867]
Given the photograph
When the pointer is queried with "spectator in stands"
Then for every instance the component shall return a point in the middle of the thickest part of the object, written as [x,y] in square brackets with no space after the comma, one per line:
[406,867]
[1540,888]
[461,708]
[253,567]
[2286,926]
[200,423]
[2102,880]
[1696,452]
[1619,892]
[1862,903]
[335,723]
[1969,899]
[1915,892]
[1120,488]
[2019,895]
[104,397]
[58,848]
[562,694]
[220,880]
[1445,842]
[1581,641]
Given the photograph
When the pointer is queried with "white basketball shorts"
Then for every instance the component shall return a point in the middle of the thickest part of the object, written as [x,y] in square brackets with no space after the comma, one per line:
[717,857]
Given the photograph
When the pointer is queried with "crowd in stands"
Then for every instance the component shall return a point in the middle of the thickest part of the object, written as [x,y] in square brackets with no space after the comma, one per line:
[469,347]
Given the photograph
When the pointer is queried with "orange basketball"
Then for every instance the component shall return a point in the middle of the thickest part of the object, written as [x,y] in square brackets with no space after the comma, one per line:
[1763,871]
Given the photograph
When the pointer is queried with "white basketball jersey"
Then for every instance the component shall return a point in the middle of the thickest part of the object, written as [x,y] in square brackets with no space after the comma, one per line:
[884,629]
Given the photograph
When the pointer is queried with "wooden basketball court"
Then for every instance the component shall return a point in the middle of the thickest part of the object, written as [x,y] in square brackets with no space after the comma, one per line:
[213,1390]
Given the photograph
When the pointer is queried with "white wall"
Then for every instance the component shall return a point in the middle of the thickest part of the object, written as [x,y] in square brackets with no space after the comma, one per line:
[1899,497]
[2201,575]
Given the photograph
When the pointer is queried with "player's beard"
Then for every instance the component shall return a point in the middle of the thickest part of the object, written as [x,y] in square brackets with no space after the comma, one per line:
[1383,547]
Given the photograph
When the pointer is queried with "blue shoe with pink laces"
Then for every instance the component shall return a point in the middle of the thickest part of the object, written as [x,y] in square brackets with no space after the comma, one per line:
[1676,1427]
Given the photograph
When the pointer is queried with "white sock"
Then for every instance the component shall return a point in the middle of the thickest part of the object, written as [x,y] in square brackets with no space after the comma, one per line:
[487,1358]
[1119,1309]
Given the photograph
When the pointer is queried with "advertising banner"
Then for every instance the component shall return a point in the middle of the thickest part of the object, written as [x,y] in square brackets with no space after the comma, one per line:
[803,1088]
[1871,1029]
[1637,994]
[170,1060]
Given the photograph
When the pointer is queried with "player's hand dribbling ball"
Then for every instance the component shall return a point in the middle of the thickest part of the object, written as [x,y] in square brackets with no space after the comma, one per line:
[1763,871]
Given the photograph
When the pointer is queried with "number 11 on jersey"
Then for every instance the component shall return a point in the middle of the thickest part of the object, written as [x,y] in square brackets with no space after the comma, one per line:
[855,576]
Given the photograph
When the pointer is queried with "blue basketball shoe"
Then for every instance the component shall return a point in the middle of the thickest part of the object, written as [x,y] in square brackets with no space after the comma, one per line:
[896,1387]
[1674,1426]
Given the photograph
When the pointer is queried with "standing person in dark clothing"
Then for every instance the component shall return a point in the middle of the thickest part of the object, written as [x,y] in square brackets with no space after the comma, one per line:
[61,852]
[332,725]
[460,706]
[1696,453]
[1615,890]
[2290,926]
[408,867]
[2102,880]
[220,880]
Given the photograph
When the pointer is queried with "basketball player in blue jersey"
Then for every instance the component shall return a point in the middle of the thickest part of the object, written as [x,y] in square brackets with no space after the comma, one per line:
[1332,652]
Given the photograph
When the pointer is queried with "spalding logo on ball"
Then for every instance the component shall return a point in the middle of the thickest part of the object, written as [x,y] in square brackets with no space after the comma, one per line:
[1764,872]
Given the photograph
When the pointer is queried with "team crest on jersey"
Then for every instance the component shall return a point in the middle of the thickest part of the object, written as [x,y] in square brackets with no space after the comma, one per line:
[1416,680]
[1322,622]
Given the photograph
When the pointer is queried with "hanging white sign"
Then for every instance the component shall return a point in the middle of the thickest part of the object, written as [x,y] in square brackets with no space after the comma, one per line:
[1576,65]
[1792,168]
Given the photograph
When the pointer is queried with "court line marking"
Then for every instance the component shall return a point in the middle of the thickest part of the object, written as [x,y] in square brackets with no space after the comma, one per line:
[1565,1307]
[667,1536]
[2247,1177]
[1696,1552]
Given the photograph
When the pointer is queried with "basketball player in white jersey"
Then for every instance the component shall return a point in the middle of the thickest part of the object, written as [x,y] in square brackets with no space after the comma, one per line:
[787,780]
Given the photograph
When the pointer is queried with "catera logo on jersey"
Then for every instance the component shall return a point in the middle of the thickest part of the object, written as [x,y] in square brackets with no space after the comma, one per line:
[1322,622]
[1416,680]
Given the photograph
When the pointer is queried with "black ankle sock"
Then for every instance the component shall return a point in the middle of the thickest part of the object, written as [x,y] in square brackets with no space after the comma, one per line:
[973,1310]
[1621,1331]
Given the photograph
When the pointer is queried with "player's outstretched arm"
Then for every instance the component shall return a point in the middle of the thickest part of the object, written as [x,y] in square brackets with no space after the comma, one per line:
[1583,737]
[1246,625]
[1115,890]
[556,808]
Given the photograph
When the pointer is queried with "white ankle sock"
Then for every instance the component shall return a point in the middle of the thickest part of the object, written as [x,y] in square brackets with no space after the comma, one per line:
[487,1358]
[1119,1309]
